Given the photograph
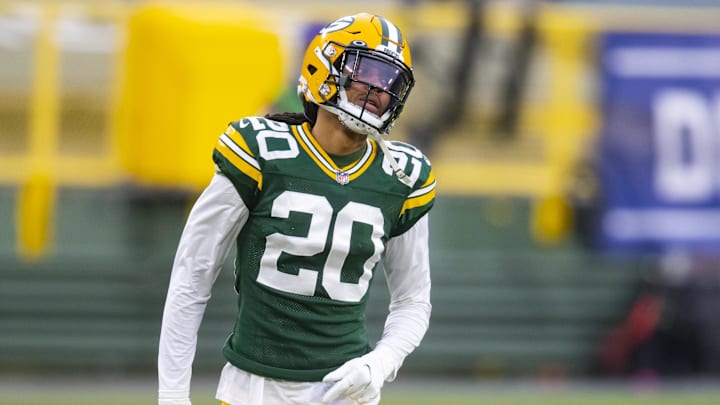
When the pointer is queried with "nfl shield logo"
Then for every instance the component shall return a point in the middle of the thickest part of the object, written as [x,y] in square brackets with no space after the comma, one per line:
[342,177]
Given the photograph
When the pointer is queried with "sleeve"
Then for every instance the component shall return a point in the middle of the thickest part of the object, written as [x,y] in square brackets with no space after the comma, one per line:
[422,195]
[235,156]
[212,225]
[407,270]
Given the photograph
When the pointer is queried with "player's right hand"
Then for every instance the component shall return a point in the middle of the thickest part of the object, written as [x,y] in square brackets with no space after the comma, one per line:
[360,379]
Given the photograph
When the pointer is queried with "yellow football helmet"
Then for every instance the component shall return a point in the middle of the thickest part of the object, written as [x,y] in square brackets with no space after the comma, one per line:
[361,48]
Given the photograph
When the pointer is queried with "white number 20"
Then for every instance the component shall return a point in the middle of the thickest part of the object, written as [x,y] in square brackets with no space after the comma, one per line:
[321,212]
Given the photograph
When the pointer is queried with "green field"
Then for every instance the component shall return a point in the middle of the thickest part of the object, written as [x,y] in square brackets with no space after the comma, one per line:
[121,392]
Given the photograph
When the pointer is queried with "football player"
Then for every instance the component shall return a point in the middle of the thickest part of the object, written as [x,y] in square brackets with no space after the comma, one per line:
[313,202]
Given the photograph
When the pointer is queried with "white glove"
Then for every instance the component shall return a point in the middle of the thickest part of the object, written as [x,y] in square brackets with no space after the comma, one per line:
[360,379]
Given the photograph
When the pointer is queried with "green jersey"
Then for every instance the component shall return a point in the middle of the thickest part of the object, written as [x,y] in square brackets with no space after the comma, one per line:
[314,236]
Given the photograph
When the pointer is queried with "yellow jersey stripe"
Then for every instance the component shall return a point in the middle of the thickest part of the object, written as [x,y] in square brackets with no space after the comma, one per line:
[369,158]
[239,163]
[239,151]
[423,189]
[233,134]
[318,151]
[419,201]
[323,160]
[362,161]
[310,153]
[421,196]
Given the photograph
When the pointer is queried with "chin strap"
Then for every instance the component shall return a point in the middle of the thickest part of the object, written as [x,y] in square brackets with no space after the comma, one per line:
[393,163]
[356,125]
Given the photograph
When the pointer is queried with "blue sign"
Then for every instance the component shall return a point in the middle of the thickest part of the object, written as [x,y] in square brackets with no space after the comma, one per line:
[659,150]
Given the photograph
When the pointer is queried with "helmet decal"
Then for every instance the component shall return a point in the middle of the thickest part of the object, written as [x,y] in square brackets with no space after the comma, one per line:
[337,25]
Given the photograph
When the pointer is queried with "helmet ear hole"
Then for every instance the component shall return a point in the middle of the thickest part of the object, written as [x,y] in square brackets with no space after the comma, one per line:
[312,69]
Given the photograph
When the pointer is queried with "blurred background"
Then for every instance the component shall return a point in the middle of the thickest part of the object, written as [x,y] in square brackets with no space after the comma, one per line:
[576,144]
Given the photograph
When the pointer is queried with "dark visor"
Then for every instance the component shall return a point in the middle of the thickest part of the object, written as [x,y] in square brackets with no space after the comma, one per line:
[376,72]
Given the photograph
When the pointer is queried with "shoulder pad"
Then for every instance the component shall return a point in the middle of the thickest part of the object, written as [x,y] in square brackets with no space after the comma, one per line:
[412,161]
[257,124]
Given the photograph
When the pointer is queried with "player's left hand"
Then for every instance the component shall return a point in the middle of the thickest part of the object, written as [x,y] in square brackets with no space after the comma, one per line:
[360,379]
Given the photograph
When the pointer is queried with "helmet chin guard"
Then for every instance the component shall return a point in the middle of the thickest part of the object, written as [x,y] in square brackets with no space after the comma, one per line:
[356,118]
[355,124]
